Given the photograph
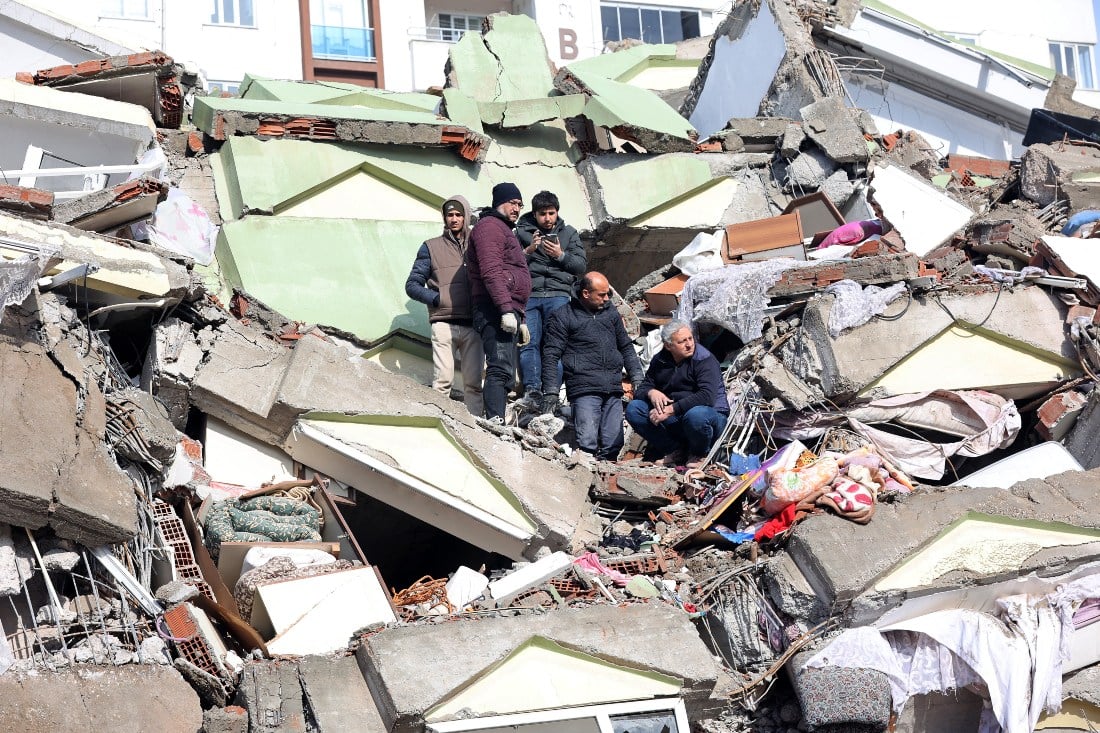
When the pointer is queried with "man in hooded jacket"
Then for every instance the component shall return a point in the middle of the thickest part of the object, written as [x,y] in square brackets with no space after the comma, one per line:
[438,280]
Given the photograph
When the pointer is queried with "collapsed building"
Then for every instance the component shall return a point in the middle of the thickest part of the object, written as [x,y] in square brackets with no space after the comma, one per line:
[228,487]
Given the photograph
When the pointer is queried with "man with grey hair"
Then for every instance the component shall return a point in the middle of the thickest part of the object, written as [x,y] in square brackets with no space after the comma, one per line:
[680,408]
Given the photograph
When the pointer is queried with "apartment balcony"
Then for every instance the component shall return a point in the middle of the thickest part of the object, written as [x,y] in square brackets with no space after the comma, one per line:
[342,44]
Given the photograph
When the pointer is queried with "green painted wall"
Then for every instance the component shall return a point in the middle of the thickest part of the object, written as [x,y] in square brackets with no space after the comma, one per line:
[636,186]
[344,273]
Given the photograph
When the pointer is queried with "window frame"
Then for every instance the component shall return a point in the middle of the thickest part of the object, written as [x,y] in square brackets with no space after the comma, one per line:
[1059,62]
[452,34]
[122,14]
[659,9]
[216,18]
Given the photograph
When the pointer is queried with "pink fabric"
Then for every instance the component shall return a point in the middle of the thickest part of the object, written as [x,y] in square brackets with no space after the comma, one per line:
[590,561]
[851,233]
[850,496]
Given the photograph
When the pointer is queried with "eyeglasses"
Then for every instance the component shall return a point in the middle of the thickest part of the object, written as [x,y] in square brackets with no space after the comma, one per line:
[518,203]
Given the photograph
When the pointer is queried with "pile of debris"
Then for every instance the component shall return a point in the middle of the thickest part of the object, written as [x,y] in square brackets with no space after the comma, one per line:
[225,473]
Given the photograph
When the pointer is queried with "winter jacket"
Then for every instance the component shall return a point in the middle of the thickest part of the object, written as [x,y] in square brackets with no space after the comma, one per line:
[438,277]
[496,266]
[593,348]
[692,382]
[552,277]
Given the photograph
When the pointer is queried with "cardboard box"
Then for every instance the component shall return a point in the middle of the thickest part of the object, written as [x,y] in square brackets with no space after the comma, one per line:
[663,299]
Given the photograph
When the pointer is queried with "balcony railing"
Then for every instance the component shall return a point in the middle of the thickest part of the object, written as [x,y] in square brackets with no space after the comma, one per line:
[436,33]
[348,44]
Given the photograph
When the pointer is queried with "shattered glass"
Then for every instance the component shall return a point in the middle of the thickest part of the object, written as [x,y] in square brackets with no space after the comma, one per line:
[734,297]
[855,304]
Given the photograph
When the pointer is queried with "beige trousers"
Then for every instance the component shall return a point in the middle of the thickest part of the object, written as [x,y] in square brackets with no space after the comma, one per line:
[450,342]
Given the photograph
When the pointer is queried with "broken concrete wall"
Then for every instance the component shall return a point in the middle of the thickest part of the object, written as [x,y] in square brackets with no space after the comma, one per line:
[100,698]
[1022,355]
[56,468]
[756,66]
[822,549]
[625,636]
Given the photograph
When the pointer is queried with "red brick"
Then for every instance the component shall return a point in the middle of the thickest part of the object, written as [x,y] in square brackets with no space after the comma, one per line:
[1057,415]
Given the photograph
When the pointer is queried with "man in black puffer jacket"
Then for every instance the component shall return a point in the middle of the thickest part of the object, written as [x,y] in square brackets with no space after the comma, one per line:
[590,340]
[556,258]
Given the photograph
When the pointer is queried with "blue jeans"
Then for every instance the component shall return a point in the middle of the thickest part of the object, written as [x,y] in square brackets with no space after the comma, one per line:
[598,421]
[696,430]
[530,356]
[500,358]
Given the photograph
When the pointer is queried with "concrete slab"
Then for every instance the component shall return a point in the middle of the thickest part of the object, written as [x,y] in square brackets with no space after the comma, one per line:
[1045,169]
[129,698]
[337,93]
[835,129]
[507,63]
[271,692]
[222,118]
[1083,442]
[631,112]
[254,388]
[822,546]
[464,653]
[1016,352]
[337,695]
[925,217]
[132,272]
[355,270]
[56,468]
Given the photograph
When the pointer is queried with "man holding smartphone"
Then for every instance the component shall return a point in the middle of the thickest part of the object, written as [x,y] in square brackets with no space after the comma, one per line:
[555,258]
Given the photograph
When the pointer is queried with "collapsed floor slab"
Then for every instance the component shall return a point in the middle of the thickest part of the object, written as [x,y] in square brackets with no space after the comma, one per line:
[599,654]
[1018,350]
[265,389]
[912,548]
[100,698]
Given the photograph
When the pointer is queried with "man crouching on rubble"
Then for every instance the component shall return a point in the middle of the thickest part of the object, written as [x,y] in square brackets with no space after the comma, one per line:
[438,280]
[680,408]
[590,340]
[499,285]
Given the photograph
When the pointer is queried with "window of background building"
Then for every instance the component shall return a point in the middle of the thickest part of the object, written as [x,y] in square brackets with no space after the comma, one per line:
[232,12]
[970,39]
[1074,60]
[340,29]
[651,25]
[124,8]
[451,27]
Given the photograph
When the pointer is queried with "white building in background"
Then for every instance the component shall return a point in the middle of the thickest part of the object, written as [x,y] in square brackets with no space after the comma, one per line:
[225,39]
[417,34]
[1058,34]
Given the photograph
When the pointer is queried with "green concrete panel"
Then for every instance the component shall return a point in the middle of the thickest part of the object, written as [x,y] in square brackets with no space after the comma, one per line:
[526,112]
[258,87]
[625,64]
[517,41]
[206,109]
[269,176]
[508,63]
[345,273]
[475,68]
[634,187]
[616,104]
[461,109]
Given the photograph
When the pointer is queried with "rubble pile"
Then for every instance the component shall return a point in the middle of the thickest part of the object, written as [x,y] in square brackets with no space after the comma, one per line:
[228,488]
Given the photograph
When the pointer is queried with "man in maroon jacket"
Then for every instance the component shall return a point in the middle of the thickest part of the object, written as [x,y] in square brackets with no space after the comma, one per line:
[499,286]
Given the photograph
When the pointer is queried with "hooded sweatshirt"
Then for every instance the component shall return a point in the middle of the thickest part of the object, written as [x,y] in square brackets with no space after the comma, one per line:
[438,277]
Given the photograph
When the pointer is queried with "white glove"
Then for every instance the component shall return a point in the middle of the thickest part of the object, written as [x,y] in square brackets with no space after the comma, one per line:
[509,323]
[524,335]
